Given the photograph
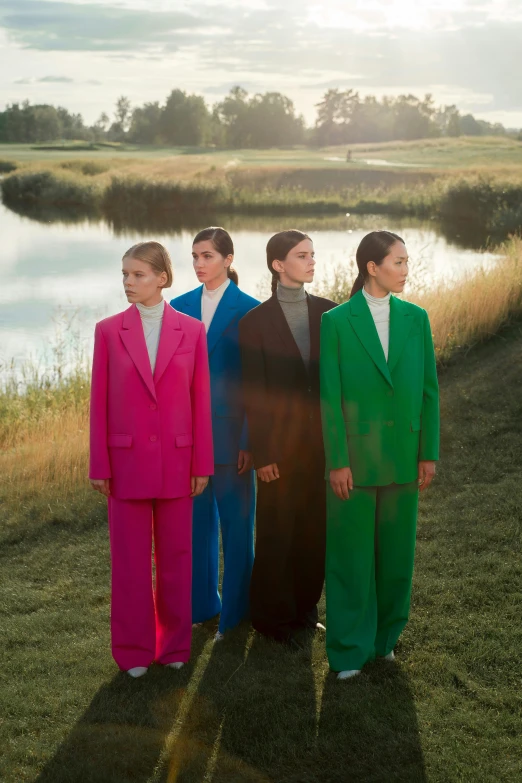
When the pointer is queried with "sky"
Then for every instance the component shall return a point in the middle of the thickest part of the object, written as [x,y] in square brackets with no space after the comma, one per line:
[84,54]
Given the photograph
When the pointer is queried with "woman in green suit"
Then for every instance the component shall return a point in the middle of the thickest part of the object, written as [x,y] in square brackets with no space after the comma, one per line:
[380,412]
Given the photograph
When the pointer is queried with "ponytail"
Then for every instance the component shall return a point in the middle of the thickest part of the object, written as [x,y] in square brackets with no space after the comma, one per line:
[275,280]
[232,275]
[357,285]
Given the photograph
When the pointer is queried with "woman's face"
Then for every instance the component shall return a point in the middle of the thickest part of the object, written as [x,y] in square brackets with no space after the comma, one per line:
[141,283]
[391,274]
[209,265]
[298,266]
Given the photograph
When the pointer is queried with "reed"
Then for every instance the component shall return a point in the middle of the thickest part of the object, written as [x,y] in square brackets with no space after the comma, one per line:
[133,189]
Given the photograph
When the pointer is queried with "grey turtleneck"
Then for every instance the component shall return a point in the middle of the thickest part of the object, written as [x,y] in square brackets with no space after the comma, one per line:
[295,307]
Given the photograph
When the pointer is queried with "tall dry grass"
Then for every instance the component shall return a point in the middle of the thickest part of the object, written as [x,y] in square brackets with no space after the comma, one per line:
[464,312]
[477,306]
[44,425]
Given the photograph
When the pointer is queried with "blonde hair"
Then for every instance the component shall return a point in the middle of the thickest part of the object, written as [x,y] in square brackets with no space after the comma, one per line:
[154,254]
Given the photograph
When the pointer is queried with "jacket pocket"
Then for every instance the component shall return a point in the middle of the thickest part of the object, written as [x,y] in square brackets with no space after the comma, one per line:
[184,349]
[357,427]
[416,425]
[119,441]
[183,440]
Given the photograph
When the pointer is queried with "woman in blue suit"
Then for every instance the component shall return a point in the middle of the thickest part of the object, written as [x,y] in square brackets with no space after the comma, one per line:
[229,498]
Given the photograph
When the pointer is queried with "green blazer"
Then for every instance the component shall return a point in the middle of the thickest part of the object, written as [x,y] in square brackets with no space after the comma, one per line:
[379,418]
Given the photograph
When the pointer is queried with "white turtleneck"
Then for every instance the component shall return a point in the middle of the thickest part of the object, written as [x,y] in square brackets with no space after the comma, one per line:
[380,310]
[210,301]
[151,319]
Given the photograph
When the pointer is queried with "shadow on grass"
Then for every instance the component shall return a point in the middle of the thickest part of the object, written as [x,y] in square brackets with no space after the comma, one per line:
[243,726]
[122,734]
[246,711]
[275,716]
[368,730]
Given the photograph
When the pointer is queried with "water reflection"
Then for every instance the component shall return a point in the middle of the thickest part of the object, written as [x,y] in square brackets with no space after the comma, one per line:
[469,236]
[57,259]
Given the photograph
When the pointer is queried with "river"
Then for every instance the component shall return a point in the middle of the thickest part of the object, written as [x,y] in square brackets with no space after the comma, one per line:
[63,275]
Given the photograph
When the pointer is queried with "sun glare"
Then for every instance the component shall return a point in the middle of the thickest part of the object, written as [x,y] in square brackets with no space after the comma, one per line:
[376,14]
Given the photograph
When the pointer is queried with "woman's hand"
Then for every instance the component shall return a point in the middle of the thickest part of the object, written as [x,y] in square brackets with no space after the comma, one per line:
[245,462]
[197,485]
[268,473]
[102,486]
[341,481]
[427,470]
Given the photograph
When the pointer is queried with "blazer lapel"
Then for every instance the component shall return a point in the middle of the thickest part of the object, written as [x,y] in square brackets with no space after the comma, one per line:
[362,322]
[400,326]
[226,310]
[170,338]
[133,339]
[191,303]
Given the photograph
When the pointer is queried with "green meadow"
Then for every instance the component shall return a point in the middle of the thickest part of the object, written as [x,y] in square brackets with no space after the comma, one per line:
[439,153]
[449,710]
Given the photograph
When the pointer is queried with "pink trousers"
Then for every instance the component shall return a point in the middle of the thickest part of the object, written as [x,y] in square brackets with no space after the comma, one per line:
[150,622]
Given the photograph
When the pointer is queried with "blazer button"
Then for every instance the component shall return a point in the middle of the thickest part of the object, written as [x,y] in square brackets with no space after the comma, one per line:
[390,393]
[153,438]
[390,423]
[153,406]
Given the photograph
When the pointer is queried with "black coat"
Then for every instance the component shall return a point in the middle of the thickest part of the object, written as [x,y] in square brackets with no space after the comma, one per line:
[281,395]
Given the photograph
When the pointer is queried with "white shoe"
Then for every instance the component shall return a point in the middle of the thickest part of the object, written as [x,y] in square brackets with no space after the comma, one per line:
[390,656]
[137,671]
[175,665]
[219,636]
[346,675]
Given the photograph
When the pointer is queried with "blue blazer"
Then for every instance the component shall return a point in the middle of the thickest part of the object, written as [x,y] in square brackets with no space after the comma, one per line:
[228,411]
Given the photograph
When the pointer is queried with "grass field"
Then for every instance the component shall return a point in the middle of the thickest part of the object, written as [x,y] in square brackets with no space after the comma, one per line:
[448,711]
[444,153]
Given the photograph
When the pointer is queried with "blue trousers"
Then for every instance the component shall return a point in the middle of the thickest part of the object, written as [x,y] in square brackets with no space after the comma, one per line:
[228,500]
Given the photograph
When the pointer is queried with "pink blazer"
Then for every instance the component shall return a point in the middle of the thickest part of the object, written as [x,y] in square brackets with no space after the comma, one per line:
[149,435]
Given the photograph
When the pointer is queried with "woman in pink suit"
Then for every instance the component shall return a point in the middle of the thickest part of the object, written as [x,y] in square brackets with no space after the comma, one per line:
[151,454]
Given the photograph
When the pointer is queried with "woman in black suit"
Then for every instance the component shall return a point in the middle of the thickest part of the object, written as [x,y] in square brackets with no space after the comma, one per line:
[280,359]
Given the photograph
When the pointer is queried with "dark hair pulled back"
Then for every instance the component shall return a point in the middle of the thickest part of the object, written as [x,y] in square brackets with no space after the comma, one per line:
[278,248]
[375,246]
[222,242]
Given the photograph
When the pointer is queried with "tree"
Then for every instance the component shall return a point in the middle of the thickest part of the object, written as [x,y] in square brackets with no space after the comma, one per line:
[469,126]
[146,124]
[232,114]
[413,117]
[335,117]
[272,121]
[122,113]
[185,120]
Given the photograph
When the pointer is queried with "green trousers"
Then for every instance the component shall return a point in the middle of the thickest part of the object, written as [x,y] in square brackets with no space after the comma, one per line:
[370,549]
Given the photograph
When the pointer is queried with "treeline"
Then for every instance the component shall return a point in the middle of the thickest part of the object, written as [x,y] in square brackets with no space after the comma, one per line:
[246,121]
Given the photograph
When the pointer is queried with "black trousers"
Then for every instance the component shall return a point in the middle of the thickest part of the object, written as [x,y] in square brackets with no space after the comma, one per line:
[288,574]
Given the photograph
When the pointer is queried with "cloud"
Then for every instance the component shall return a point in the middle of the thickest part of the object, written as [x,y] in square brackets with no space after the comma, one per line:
[470,46]
[64,26]
[53,80]
[56,79]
